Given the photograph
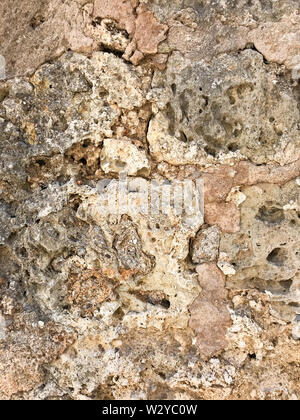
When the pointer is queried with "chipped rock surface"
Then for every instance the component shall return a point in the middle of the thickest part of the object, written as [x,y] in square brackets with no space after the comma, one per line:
[149,200]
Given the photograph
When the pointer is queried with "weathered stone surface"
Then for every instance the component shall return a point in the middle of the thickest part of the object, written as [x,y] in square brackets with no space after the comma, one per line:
[225,109]
[149,32]
[249,174]
[265,251]
[209,28]
[142,27]
[43,30]
[28,344]
[115,282]
[209,316]
[120,11]
[225,215]
[122,156]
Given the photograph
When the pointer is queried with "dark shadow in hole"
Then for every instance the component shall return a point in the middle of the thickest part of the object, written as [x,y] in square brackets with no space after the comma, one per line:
[277,257]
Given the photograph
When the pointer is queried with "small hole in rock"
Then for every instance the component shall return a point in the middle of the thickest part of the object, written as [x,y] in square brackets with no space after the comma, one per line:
[76,206]
[277,257]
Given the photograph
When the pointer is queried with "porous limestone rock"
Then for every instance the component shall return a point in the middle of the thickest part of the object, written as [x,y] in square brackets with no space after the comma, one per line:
[205,246]
[149,199]
[139,23]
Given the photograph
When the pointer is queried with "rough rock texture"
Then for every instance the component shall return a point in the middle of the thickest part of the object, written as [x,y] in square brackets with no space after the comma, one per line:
[140,304]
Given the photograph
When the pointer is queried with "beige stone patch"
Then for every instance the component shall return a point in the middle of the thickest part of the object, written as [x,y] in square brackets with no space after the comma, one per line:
[205,246]
[123,156]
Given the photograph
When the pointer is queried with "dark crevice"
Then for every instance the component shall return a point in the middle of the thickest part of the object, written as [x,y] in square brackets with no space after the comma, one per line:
[116,53]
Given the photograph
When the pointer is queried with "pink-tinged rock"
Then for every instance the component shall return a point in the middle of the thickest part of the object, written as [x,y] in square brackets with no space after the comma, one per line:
[210,317]
[225,215]
[217,186]
[26,349]
[249,174]
[122,11]
[41,31]
[149,32]
[205,246]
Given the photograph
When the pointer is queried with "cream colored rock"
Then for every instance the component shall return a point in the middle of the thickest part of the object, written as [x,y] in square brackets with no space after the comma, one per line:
[296,332]
[122,156]
[215,108]
[225,215]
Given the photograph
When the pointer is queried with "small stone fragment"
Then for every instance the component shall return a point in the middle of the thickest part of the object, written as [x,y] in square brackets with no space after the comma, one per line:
[217,185]
[296,332]
[205,246]
[87,290]
[145,32]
